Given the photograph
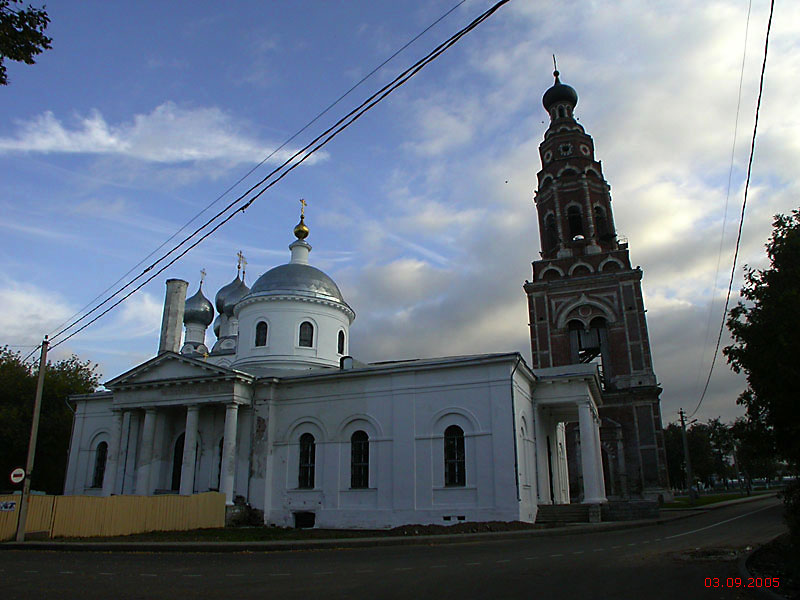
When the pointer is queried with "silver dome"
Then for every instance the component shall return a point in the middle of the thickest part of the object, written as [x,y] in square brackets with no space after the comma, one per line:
[219,299]
[198,309]
[297,278]
[236,294]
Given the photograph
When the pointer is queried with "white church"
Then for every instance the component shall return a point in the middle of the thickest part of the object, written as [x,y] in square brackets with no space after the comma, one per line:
[279,414]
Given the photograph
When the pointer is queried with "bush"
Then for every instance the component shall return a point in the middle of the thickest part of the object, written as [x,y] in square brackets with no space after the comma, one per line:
[791,502]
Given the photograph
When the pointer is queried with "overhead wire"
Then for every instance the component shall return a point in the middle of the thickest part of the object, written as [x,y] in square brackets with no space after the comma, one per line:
[61,328]
[331,133]
[744,205]
[727,200]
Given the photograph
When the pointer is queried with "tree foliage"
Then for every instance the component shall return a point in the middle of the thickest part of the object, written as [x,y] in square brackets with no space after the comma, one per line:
[765,327]
[17,392]
[21,34]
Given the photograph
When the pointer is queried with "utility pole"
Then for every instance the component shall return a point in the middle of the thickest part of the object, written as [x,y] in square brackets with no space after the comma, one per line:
[37,407]
[686,459]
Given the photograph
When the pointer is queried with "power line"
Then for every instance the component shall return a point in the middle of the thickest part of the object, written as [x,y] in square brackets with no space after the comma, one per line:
[744,205]
[727,199]
[331,133]
[61,328]
[69,323]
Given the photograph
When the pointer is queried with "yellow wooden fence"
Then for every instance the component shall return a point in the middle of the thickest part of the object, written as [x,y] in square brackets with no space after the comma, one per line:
[90,516]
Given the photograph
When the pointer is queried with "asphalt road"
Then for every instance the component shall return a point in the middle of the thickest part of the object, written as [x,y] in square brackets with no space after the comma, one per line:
[670,560]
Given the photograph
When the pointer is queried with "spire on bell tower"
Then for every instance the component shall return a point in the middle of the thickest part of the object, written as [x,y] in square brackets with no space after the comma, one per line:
[573,199]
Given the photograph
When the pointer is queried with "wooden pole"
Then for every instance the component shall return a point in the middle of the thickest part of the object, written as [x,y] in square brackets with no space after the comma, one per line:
[37,407]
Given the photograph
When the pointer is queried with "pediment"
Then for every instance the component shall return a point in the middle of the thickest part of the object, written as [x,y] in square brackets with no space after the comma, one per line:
[170,367]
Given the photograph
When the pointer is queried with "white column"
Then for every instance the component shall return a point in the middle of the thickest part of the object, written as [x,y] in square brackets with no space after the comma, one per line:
[229,452]
[542,458]
[602,486]
[146,455]
[189,450]
[563,462]
[157,461]
[110,477]
[590,457]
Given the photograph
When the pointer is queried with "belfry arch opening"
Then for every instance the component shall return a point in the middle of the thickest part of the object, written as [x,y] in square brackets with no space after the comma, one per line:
[590,344]
[575,221]
[550,233]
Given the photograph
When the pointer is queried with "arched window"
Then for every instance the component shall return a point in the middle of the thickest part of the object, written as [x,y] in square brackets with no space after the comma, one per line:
[306,334]
[100,455]
[359,460]
[340,343]
[177,462]
[551,275]
[601,224]
[580,271]
[261,334]
[454,460]
[575,221]
[561,112]
[305,480]
[550,233]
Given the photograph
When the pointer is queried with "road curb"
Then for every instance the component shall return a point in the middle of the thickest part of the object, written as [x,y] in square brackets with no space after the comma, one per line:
[744,573]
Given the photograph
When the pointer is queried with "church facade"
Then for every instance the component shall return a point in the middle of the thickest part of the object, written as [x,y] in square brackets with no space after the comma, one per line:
[277,414]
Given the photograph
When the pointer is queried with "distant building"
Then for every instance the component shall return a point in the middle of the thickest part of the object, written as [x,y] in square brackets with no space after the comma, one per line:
[585,305]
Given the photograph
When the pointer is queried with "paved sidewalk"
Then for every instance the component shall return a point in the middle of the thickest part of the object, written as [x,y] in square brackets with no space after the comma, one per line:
[290,545]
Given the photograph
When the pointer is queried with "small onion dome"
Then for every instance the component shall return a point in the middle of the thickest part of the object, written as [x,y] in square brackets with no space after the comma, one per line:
[217,325]
[198,309]
[233,297]
[301,229]
[222,294]
[559,93]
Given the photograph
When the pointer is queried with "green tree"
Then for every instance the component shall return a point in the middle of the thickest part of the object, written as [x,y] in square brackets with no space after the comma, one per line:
[722,447]
[754,449]
[766,328]
[673,445]
[21,34]
[17,391]
[701,452]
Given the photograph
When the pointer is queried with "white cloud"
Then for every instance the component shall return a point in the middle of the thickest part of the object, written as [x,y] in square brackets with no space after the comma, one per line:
[29,312]
[169,134]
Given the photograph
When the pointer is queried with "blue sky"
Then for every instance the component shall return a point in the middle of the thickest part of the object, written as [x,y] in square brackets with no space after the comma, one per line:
[143,113]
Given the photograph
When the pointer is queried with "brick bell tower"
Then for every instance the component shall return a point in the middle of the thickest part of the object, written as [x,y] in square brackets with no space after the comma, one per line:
[585,305]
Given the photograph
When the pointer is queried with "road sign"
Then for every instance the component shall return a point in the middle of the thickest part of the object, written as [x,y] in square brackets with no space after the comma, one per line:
[17,475]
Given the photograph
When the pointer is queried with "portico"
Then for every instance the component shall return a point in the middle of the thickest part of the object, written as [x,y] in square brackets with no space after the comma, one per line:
[558,405]
[158,411]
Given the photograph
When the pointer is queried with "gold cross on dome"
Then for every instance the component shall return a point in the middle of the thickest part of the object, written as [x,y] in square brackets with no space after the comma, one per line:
[303,205]
[242,261]
[202,276]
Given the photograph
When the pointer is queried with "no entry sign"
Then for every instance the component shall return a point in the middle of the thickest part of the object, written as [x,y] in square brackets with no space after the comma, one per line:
[17,475]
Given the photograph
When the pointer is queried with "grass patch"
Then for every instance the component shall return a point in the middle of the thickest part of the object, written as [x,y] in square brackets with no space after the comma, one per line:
[704,500]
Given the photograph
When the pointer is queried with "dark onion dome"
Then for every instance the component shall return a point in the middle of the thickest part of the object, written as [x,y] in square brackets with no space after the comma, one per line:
[232,298]
[560,92]
[219,299]
[297,278]
[217,325]
[198,309]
